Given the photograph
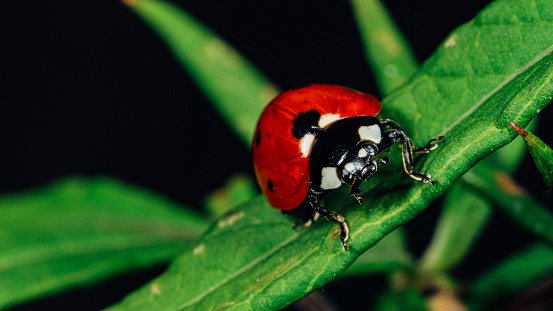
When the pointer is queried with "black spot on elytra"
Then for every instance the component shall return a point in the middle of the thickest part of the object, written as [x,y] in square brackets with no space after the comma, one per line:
[270,185]
[301,86]
[257,137]
[306,123]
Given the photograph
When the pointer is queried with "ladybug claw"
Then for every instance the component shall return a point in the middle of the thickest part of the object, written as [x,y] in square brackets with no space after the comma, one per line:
[422,177]
[384,161]
[358,198]
[344,235]
[430,146]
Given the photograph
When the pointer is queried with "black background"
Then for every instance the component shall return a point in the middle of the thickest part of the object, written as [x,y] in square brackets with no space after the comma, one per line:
[89,89]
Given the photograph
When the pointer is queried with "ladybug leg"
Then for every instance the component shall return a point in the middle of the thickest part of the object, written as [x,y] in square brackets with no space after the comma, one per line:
[398,135]
[430,146]
[354,189]
[332,216]
[306,221]
[384,160]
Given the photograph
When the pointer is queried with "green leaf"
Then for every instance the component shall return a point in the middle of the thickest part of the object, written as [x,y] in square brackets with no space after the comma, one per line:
[389,255]
[80,231]
[463,217]
[466,211]
[513,275]
[542,154]
[238,190]
[236,88]
[475,62]
[252,259]
[388,53]
[408,299]
[509,157]
[512,200]
[393,62]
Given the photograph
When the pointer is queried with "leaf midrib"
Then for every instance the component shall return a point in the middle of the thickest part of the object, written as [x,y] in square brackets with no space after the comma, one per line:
[485,97]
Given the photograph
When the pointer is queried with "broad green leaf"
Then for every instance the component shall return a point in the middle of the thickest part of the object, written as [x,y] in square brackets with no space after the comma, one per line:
[511,276]
[462,219]
[80,231]
[236,88]
[472,64]
[252,259]
[387,52]
[541,152]
[512,200]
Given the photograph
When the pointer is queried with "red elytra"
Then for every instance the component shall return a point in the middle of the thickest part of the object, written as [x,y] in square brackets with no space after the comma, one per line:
[282,169]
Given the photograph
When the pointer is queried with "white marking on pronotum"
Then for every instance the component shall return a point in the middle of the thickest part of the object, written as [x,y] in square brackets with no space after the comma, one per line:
[305,144]
[349,166]
[327,119]
[329,178]
[362,153]
[370,132]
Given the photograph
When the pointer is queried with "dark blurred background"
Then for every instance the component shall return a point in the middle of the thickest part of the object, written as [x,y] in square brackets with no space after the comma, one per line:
[89,89]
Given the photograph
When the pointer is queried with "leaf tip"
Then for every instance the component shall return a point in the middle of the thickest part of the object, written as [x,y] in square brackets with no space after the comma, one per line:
[519,129]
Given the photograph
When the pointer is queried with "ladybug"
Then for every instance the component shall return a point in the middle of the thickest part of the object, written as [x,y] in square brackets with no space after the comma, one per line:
[313,139]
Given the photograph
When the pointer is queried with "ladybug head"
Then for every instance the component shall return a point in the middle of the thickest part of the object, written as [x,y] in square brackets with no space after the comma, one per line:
[360,164]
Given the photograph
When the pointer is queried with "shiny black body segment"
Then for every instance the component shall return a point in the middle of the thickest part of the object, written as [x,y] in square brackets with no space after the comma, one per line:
[341,155]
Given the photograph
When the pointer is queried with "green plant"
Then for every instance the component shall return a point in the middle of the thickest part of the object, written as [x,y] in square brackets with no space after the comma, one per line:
[493,70]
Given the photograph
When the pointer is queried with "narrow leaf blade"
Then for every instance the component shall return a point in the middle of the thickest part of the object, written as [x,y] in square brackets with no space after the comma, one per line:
[462,219]
[542,154]
[236,88]
[386,50]
[237,190]
[80,231]
[511,276]
[512,200]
